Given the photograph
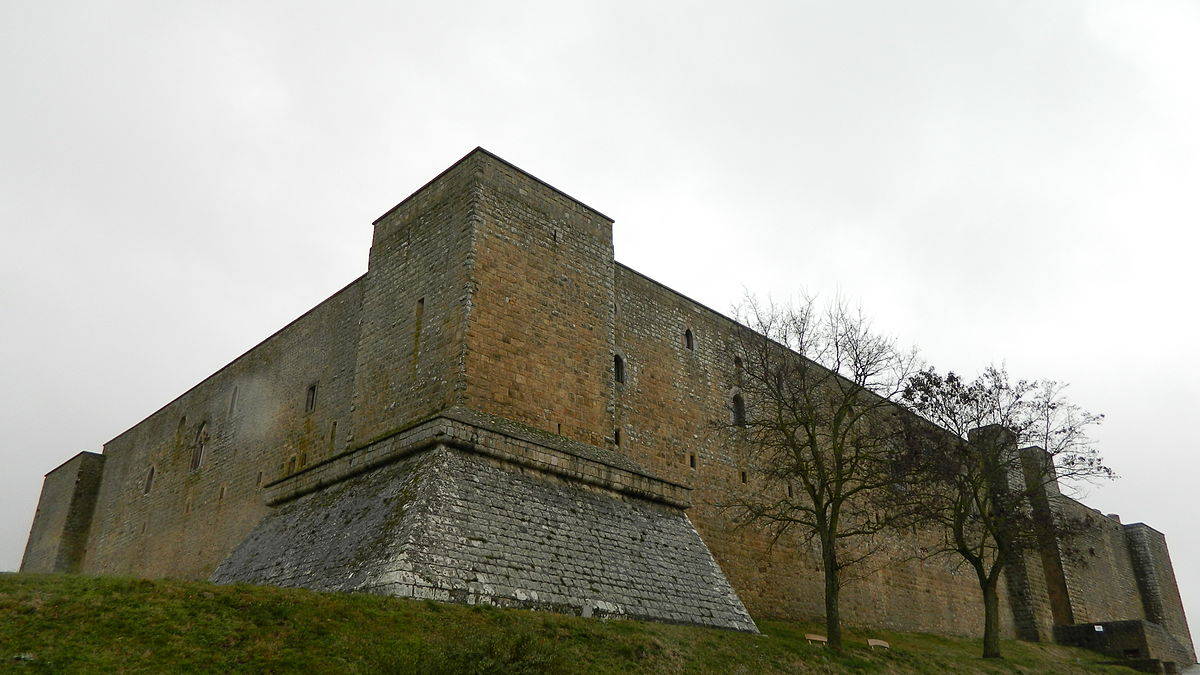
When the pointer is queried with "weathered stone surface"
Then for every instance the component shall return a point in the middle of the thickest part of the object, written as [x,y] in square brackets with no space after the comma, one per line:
[456,526]
[492,300]
[64,515]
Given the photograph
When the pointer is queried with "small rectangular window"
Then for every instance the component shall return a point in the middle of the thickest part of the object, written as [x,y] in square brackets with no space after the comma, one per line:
[692,460]
[310,398]
[743,476]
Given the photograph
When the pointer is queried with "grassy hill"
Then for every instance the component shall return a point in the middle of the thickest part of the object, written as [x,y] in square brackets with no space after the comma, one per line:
[69,623]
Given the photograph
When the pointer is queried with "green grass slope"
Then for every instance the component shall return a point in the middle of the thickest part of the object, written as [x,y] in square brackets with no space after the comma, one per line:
[70,623]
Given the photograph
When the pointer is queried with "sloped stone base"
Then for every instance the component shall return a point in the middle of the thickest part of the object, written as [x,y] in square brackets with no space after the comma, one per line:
[455,525]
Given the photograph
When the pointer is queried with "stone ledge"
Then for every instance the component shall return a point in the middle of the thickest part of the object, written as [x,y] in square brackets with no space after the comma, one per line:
[475,432]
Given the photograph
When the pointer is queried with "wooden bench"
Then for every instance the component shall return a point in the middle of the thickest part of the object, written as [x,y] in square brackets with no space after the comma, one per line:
[873,643]
[818,639]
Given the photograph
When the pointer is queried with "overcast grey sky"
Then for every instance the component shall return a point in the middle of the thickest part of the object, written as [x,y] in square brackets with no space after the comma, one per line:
[1011,181]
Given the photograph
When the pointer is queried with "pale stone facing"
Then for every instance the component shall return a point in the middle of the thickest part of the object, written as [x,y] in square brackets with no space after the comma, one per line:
[452,525]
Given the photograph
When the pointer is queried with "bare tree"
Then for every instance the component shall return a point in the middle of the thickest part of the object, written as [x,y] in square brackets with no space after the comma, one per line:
[984,499]
[813,417]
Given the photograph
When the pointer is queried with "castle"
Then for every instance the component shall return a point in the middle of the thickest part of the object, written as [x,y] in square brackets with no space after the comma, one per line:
[499,412]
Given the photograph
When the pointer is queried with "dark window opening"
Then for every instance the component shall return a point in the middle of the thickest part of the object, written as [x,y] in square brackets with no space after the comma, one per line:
[737,362]
[418,319]
[179,431]
[310,398]
[258,481]
[692,461]
[618,368]
[688,340]
[743,476]
[149,481]
[789,490]
[739,410]
[617,436]
[560,428]
[198,449]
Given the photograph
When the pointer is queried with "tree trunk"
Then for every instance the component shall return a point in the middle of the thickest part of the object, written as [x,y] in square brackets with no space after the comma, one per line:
[833,617]
[991,618]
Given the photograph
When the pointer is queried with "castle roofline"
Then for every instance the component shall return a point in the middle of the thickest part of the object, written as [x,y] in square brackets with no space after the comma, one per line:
[479,150]
[77,455]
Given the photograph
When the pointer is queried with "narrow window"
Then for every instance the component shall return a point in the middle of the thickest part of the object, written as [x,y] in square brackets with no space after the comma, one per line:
[332,434]
[743,476]
[688,340]
[179,431]
[789,490]
[232,399]
[198,448]
[692,460]
[617,436]
[310,398]
[737,364]
[559,428]
[258,481]
[149,481]
[739,410]
[418,318]
[618,368]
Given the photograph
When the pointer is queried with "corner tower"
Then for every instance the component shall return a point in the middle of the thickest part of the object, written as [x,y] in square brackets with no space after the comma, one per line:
[490,289]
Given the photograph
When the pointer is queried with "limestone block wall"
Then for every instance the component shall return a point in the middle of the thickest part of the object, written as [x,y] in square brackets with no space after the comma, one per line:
[410,356]
[455,525]
[64,515]
[255,421]
[539,340]
[664,408]
[1156,580]
[1099,573]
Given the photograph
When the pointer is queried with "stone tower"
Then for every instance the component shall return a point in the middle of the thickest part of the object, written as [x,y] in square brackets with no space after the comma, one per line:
[498,412]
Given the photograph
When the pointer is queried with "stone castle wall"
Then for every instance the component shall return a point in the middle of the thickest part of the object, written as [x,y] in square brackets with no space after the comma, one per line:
[64,515]
[253,420]
[539,342]
[465,514]
[665,409]
[489,290]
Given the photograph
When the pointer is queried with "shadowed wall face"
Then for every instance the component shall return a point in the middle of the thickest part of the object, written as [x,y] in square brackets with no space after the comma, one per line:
[281,406]
[64,516]
[415,298]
